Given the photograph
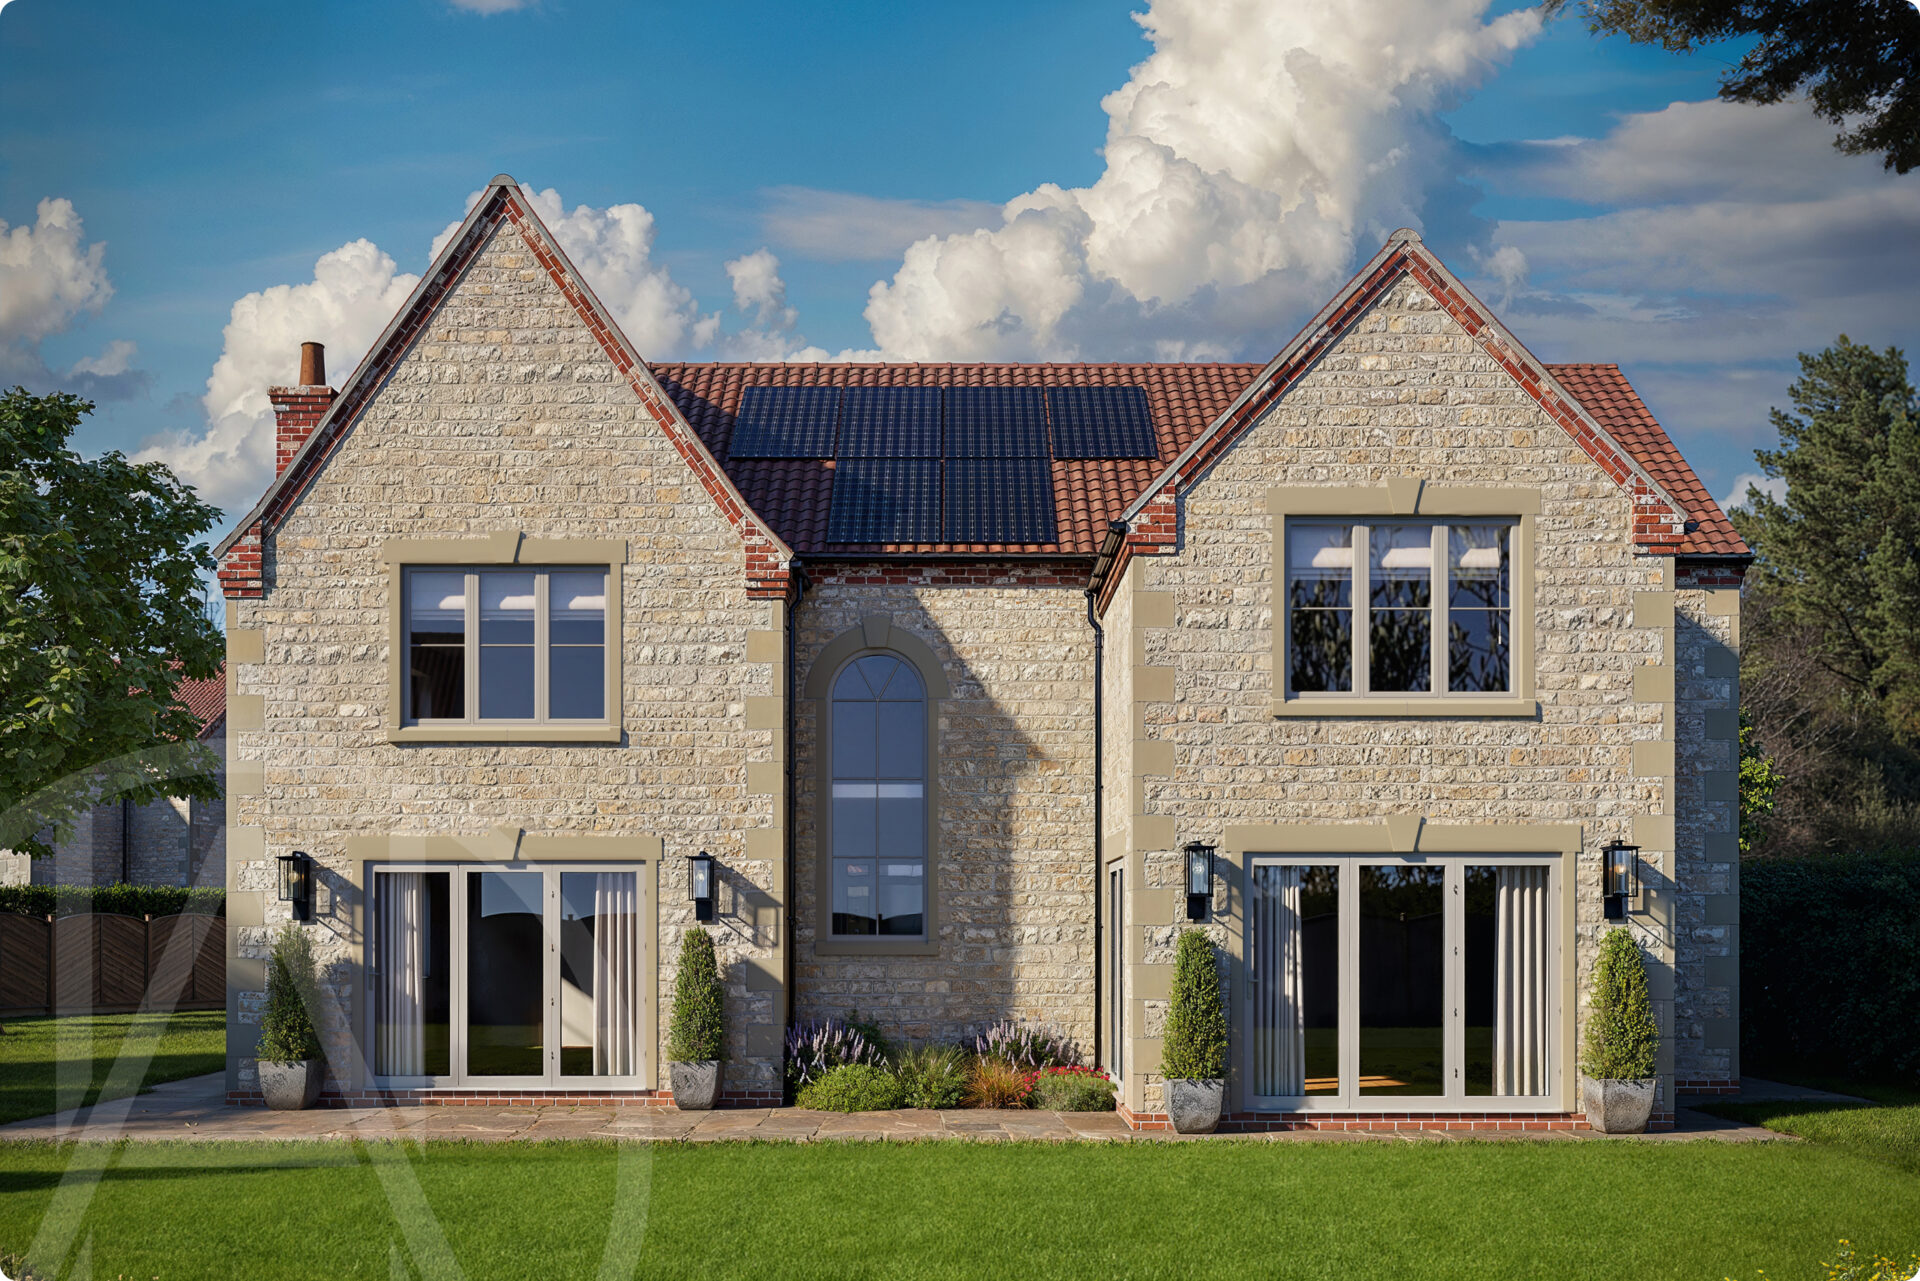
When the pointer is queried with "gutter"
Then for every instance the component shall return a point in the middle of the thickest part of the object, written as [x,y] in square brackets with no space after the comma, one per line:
[793,839]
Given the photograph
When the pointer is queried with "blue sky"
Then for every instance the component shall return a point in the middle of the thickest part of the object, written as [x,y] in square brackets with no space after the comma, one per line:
[213,153]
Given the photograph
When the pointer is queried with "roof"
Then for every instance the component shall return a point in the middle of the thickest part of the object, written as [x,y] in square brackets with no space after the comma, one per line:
[206,699]
[793,495]
[1611,399]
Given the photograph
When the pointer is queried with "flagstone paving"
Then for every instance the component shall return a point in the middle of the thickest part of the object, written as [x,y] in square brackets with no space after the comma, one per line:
[195,1109]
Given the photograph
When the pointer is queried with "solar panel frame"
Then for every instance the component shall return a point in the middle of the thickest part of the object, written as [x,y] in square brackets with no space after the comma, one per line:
[1000,500]
[1101,422]
[786,422]
[996,422]
[890,422]
[885,500]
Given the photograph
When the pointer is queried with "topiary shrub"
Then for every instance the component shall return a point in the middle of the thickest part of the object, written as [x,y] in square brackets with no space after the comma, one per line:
[933,1076]
[852,1087]
[698,1031]
[286,1027]
[1195,1044]
[1071,1089]
[127,900]
[1621,1033]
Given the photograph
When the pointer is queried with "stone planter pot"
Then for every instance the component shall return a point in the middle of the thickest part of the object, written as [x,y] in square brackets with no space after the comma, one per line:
[696,1086]
[1194,1106]
[289,1087]
[1618,1107]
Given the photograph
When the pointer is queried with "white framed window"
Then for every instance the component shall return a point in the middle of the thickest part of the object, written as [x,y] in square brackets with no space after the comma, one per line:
[879,815]
[508,975]
[1400,607]
[509,646]
[1430,983]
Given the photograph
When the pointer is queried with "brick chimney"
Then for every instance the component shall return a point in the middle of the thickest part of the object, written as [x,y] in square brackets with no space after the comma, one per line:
[297,410]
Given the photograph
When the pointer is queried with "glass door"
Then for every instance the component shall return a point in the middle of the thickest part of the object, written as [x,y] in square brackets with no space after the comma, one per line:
[1385,984]
[507,977]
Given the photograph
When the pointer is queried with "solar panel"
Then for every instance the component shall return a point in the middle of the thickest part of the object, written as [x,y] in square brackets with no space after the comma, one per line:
[890,422]
[885,500]
[785,422]
[996,422]
[1000,500]
[1101,422]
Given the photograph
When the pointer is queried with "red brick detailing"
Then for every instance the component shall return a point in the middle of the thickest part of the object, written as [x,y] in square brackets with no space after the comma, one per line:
[296,412]
[240,569]
[1714,1086]
[1699,577]
[377,1098]
[983,573]
[1375,1122]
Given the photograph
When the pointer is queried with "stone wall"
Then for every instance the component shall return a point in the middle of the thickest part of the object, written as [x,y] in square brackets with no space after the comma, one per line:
[1405,393]
[507,416]
[1015,861]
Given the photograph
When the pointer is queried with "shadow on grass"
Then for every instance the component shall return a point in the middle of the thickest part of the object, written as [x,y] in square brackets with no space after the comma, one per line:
[1886,1130]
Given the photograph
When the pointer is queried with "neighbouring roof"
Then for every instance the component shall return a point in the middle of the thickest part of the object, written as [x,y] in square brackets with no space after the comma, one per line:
[794,495]
[206,699]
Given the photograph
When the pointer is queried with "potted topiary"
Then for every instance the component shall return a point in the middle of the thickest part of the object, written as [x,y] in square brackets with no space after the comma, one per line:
[1193,1053]
[697,1037]
[289,1053]
[1618,1064]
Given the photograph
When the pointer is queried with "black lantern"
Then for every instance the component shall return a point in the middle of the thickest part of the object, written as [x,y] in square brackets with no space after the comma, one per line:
[1199,879]
[296,884]
[1622,878]
[700,885]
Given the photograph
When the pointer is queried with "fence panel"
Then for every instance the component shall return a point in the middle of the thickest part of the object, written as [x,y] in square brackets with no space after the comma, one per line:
[108,963]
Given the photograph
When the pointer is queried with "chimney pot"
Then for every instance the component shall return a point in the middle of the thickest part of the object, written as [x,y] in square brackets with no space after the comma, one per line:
[313,365]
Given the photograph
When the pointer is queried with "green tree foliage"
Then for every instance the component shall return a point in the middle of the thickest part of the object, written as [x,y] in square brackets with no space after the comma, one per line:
[1621,1033]
[1195,1044]
[286,1026]
[698,1031]
[1759,780]
[100,619]
[1854,58]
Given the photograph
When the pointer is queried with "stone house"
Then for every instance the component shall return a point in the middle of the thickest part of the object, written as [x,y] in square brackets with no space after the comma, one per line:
[957,674]
[175,840]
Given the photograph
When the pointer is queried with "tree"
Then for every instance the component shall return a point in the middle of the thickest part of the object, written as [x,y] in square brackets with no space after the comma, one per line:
[1856,58]
[100,620]
[1759,779]
[1839,555]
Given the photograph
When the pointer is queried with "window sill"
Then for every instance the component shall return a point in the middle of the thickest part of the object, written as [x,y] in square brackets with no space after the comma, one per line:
[1458,708]
[503,734]
[877,947]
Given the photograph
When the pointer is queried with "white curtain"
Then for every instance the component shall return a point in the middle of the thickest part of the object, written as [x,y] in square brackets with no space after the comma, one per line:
[1279,1041]
[400,905]
[1520,982]
[616,973]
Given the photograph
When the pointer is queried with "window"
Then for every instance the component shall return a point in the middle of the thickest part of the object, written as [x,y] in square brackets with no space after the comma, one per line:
[879,800]
[517,976]
[1428,979]
[1366,616]
[508,646]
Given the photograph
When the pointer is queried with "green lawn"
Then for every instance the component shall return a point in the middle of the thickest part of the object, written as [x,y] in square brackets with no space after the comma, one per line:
[1886,1130]
[1699,1211]
[33,1050]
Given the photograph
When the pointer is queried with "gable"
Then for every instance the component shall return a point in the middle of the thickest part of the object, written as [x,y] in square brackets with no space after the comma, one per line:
[500,212]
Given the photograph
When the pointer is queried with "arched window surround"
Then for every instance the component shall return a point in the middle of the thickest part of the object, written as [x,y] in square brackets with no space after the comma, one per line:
[876,634]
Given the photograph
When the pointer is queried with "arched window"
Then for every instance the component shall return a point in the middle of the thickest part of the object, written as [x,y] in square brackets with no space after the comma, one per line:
[879,820]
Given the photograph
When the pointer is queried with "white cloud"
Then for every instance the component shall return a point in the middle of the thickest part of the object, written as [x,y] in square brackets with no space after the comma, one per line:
[1245,160]
[49,278]
[842,226]
[491,6]
[355,291]
[115,360]
[758,289]
[1774,487]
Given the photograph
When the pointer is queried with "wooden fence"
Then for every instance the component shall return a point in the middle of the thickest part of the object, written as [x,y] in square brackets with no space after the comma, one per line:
[104,963]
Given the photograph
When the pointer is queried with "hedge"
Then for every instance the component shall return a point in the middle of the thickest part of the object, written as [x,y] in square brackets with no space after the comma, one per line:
[129,900]
[1830,965]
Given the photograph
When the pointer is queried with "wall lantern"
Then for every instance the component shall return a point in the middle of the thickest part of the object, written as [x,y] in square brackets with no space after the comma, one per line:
[700,885]
[296,884]
[1622,878]
[1199,879]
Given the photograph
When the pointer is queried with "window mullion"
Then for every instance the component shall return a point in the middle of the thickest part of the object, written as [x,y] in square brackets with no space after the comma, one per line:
[471,708]
[1439,587]
[1362,610]
[540,648]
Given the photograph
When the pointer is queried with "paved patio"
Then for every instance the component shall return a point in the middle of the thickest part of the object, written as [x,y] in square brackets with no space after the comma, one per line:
[195,1109]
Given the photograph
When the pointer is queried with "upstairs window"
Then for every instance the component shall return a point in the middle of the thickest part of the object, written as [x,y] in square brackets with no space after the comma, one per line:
[1399,607]
[506,646]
